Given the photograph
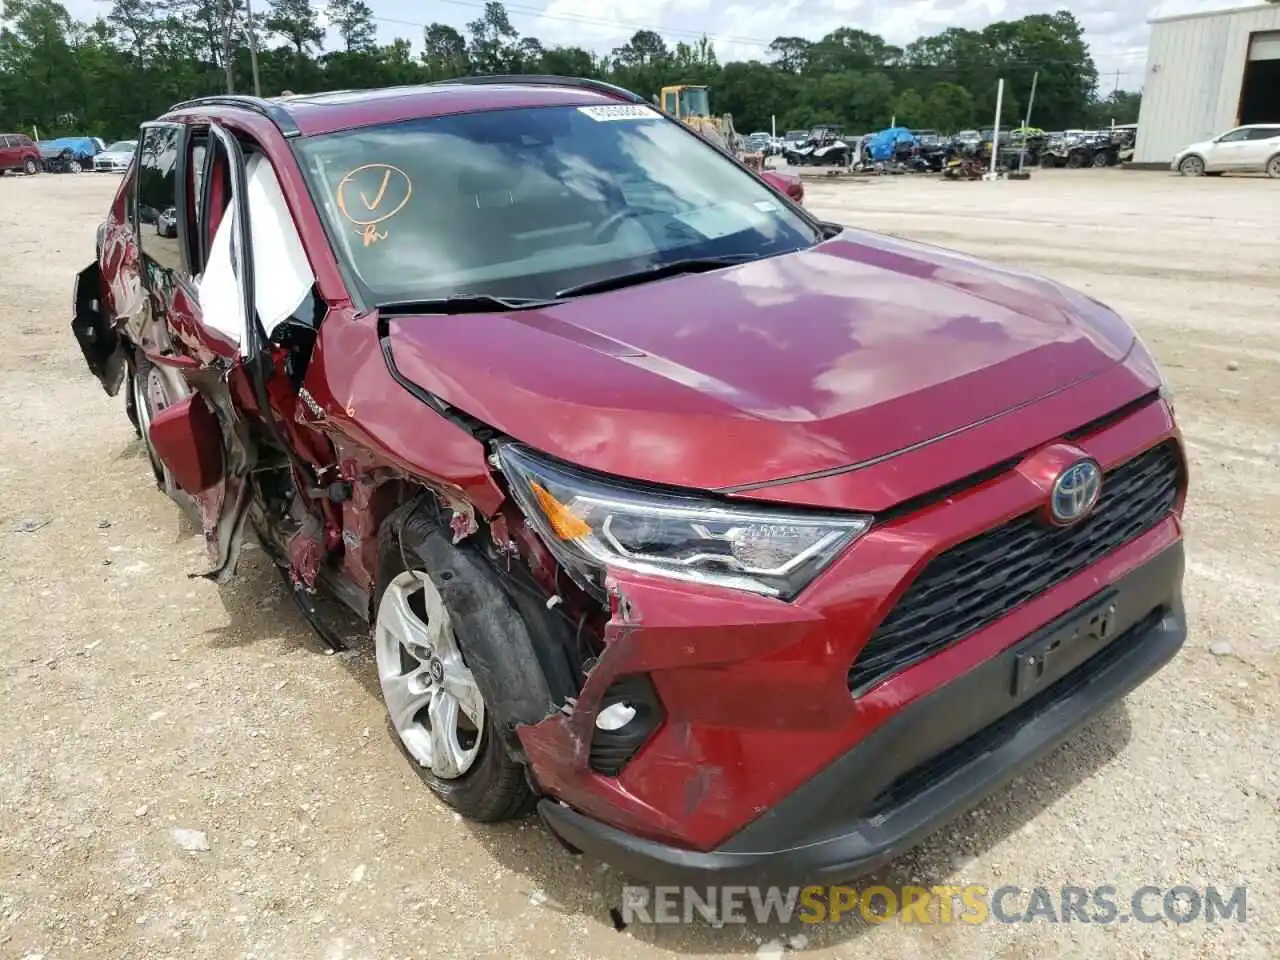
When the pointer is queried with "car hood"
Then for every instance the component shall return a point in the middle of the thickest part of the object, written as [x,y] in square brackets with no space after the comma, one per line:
[846,352]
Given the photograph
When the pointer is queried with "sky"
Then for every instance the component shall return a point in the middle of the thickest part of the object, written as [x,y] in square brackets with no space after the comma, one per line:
[742,29]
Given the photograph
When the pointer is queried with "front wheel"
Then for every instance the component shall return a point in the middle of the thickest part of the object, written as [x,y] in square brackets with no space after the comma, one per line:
[30,167]
[75,167]
[1191,167]
[434,704]
[1273,167]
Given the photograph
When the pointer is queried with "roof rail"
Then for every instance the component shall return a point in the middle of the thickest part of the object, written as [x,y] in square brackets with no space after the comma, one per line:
[546,80]
[273,110]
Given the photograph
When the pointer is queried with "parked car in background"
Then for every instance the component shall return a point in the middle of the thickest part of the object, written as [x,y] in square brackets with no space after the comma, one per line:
[750,547]
[68,154]
[1253,148]
[20,153]
[759,142]
[116,158]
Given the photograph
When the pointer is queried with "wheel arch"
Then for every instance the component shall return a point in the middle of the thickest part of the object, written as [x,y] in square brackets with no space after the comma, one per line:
[518,649]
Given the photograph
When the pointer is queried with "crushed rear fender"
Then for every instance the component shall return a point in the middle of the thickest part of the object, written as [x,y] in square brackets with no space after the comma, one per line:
[103,349]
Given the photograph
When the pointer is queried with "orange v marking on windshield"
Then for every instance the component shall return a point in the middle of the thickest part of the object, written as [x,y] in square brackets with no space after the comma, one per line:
[392,195]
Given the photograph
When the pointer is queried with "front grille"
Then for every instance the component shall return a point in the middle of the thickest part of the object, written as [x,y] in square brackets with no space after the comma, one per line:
[976,582]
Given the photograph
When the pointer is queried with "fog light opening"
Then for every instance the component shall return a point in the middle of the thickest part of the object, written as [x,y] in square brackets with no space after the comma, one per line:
[615,716]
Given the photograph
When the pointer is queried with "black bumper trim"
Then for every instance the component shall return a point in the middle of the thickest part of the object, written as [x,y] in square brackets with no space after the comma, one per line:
[881,799]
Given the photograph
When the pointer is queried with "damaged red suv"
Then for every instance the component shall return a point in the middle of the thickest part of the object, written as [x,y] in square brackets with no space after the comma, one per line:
[747,546]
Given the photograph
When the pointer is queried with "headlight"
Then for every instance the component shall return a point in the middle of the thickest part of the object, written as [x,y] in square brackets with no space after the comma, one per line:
[593,523]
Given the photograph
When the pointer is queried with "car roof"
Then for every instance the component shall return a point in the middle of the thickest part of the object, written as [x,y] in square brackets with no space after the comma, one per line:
[312,114]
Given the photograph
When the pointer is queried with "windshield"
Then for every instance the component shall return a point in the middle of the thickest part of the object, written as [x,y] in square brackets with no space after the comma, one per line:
[122,146]
[523,203]
[695,102]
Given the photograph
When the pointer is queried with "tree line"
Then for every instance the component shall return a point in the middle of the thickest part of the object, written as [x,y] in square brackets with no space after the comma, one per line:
[103,78]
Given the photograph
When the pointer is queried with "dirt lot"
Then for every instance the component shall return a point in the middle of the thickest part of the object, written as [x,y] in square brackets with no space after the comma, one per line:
[137,700]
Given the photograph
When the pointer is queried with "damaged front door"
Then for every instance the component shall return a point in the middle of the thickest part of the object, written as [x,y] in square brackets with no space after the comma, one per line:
[197,330]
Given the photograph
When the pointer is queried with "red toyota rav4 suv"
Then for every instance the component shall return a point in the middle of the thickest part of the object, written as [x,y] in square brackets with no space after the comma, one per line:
[746,545]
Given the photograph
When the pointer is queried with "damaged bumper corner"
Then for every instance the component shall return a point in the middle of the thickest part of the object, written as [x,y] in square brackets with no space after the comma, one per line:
[100,343]
[934,759]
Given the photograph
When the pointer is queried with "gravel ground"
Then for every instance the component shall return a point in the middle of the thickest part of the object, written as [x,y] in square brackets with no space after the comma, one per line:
[139,702]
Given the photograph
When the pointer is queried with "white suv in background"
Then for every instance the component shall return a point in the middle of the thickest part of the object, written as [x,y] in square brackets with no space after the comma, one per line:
[1254,148]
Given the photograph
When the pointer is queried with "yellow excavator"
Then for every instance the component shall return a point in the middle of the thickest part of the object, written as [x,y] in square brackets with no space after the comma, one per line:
[691,105]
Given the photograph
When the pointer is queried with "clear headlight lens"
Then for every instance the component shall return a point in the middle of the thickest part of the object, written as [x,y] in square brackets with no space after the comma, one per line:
[592,524]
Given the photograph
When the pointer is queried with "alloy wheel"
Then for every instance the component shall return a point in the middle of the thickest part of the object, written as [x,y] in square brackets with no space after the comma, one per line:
[1273,167]
[1191,167]
[431,695]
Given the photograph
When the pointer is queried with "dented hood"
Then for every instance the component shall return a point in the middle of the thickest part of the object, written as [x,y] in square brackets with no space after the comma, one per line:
[850,350]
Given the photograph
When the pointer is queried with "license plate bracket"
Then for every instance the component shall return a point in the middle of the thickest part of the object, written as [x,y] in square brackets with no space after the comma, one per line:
[1055,650]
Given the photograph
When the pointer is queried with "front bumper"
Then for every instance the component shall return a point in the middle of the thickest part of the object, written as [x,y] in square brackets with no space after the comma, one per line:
[935,758]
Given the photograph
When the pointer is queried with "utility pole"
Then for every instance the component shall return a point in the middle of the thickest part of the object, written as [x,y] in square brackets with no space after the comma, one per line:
[253,47]
[1116,88]
[228,21]
[995,131]
[1026,124]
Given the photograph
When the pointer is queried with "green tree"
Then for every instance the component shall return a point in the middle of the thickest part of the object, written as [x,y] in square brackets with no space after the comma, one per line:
[296,22]
[909,109]
[949,106]
[139,57]
[792,54]
[494,41]
[444,52]
[354,22]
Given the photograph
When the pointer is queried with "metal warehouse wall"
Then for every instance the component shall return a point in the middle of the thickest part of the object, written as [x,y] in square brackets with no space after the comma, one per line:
[1195,66]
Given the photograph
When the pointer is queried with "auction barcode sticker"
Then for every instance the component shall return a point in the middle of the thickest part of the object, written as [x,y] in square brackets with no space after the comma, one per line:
[622,111]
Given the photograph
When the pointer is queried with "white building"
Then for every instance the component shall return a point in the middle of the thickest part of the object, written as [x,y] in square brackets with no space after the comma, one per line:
[1207,73]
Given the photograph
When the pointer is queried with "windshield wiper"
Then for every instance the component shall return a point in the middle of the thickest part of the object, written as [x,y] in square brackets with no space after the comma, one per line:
[463,303]
[658,272]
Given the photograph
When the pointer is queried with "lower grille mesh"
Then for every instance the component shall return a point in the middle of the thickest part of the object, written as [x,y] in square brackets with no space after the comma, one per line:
[976,582]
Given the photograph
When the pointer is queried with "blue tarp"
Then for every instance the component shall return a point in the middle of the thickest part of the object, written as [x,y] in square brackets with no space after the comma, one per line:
[81,147]
[883,144]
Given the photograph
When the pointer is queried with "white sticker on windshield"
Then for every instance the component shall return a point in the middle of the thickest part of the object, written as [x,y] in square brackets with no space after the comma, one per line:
[621,111]
[768,206]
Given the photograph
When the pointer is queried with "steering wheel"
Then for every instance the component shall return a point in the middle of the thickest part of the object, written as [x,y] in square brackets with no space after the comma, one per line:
[605,230]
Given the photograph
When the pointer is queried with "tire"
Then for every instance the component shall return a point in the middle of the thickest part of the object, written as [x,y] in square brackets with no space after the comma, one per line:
[1273,167]
[30,167]
[493,786]
[74,166]
[1192,166]
[1048,162]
